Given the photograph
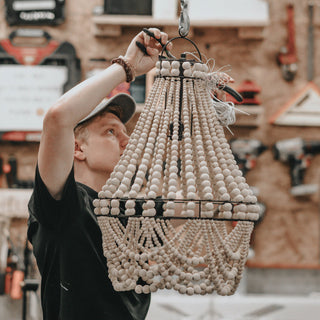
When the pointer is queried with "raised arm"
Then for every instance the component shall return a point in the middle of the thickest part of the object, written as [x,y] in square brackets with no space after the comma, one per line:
[55,157]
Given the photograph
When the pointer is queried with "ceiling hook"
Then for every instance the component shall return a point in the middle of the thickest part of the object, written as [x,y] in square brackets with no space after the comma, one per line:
[184,21]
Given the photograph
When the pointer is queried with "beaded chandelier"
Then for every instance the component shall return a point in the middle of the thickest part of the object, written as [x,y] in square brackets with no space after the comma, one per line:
[177,168]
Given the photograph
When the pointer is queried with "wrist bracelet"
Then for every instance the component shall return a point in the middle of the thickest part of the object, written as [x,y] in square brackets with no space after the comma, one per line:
[127,66]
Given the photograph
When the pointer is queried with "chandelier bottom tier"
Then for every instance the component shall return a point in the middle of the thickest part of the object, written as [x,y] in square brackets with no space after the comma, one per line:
[177,165]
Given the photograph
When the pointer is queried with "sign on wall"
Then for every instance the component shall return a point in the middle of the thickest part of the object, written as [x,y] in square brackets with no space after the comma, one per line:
[32,77]
[34,12]
[244,10]
[26,93]
[303,109]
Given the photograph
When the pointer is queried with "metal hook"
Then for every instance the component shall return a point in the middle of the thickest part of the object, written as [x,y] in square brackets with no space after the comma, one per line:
[184,21]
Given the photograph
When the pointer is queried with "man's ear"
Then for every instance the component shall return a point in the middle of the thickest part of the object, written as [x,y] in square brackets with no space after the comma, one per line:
[78,151]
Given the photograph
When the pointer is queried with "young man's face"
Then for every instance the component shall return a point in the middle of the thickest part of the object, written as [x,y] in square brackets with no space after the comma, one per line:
[106,140]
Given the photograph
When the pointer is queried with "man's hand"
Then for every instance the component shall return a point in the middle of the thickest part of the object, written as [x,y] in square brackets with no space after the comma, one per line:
[141,62]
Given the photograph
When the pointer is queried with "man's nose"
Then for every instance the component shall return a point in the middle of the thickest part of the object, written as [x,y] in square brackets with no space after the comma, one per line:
[124,140]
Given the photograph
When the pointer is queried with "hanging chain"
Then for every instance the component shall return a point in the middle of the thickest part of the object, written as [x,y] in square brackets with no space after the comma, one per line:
[184,21]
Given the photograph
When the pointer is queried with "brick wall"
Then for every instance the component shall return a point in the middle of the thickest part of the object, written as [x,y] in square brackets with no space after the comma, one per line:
[289,233]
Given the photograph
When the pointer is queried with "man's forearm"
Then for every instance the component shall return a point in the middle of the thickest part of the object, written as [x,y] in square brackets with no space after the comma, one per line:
[78,102]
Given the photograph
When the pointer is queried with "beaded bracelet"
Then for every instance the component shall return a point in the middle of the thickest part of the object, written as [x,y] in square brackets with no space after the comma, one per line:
[127,66]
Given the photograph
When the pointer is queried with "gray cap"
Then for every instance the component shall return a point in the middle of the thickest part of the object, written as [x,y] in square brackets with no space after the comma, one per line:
[123,100]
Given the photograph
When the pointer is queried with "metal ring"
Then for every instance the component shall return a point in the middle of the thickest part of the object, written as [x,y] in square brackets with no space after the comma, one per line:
[184,38]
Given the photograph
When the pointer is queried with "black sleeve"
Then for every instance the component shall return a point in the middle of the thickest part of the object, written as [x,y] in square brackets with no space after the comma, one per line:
[51,213]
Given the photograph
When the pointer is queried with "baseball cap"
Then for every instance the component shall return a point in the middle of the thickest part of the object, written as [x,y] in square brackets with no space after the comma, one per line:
[123,100]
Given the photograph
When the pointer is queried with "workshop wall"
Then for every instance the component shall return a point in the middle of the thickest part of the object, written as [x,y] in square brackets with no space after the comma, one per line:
[289,233]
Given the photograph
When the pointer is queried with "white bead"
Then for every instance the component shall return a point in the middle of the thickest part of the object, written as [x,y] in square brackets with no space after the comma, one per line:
[149,212]
[225,197]
[149,204]
[115,211]
[191,196]
[165,72]
[241,215]
[131,168]
[105,210]
[197,74]
[154,188]
[197,66]
[101,194]
[175,64]
[187,73]
[175,72]
[205,68]
[165,64]
[236,173]
[253,216]
[222,190]
[118,194]
[152,195]
[130,212]
[207,190]
[227,214]
[239,198]
[130,204]
[138,289]
[171,195]
[115,203]
[240,207]
[206,183]
[191,189]
[204,176]
[209,206]
[186,65]
[207,214]
[191,205]
[254,208]
[170,205]
[96,202]
[169,213]
[227,207]
[235,192]
[208,196]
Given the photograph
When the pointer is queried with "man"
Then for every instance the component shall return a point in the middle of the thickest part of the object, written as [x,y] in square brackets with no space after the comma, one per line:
[79,147]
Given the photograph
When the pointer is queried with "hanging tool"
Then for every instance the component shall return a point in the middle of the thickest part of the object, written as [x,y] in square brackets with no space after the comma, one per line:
[184,20]
[310,63]
[246,152]
[4,234]
[287,57]
[11,171]
[29,285]
[297,153]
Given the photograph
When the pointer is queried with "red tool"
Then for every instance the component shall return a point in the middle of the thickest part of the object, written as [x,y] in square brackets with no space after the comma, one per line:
[287,57]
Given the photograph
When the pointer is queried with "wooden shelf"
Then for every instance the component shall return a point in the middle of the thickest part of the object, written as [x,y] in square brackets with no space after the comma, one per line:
[111,25]
[258,265]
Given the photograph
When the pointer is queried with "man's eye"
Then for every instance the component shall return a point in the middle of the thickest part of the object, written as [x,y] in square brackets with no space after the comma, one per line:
[110,131]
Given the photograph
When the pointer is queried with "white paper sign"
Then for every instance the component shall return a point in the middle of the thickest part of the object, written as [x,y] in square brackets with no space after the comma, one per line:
[14,202]
[238,10]
[26,93]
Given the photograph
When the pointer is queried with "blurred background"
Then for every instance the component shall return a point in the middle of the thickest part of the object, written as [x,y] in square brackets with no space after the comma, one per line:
[270,47]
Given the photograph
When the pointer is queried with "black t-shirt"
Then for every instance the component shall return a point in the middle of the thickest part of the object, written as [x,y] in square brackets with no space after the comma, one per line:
[67,244]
